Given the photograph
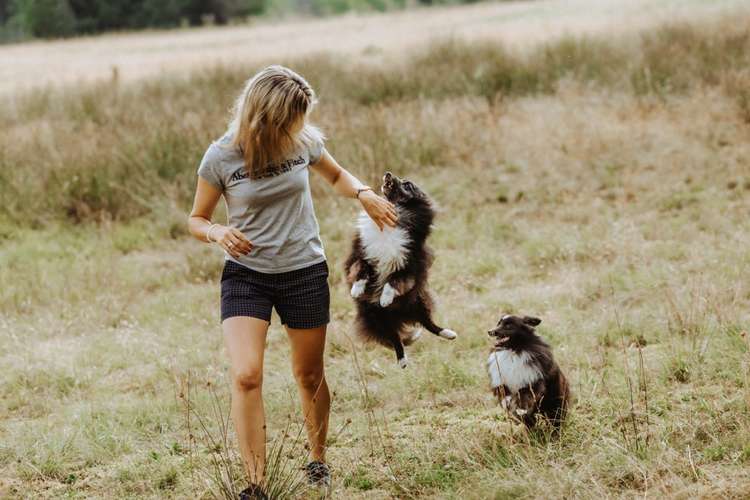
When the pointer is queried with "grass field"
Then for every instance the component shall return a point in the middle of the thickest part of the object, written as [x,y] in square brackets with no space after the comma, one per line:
[373,38]
[601,183]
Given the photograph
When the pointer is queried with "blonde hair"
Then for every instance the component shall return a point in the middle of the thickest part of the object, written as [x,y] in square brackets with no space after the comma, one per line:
[264,115]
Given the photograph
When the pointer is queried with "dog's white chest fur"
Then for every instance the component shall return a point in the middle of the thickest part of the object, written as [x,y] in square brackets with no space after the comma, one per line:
[512,370]
[386,249]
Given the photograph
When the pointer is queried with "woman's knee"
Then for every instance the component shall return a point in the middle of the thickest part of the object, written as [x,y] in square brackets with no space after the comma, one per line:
[248,380]
[309,378]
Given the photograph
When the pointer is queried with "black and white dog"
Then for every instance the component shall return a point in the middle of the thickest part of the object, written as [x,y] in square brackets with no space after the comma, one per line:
[387,271]
[523,373]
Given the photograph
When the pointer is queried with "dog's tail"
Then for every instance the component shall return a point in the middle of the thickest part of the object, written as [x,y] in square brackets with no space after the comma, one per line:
[557,413]
[381,328]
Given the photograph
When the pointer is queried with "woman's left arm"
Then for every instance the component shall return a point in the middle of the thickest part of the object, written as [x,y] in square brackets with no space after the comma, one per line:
[380,210]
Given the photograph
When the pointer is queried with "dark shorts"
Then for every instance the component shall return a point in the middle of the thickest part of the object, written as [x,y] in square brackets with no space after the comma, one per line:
[301,297]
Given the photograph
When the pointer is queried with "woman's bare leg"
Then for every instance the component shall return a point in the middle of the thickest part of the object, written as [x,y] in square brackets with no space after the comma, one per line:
[245,340]
[307,364]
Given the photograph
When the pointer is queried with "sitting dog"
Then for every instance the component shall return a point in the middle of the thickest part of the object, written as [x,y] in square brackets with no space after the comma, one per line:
[387,271]
[523,374]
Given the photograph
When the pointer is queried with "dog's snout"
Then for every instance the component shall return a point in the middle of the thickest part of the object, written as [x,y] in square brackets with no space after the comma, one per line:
[387,176]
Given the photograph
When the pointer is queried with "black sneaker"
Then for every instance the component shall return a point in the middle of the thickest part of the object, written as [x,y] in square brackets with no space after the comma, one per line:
[253,492]
[318,474]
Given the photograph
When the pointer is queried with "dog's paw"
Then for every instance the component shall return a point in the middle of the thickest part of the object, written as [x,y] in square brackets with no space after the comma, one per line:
[389,293]
[403,362]
[521,412]
[358,288]
[448,334]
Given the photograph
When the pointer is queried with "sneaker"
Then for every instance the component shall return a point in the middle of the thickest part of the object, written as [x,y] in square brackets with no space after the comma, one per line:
[318,474]
[253,492]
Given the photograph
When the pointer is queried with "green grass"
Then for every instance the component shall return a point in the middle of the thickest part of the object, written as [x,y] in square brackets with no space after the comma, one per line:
[612,206]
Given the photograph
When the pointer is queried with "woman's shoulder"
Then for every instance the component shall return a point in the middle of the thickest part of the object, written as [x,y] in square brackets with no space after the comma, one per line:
[223,148]
[226,140]
[224,143]
[314,139]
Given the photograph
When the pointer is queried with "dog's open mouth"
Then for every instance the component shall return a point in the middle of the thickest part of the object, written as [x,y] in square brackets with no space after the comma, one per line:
[499,339]
[387,183]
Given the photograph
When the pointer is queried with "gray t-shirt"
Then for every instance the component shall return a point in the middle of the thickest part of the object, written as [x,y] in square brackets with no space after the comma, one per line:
[275,212]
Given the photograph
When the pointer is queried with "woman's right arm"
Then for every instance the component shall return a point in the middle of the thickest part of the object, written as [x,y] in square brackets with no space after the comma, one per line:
[230,239]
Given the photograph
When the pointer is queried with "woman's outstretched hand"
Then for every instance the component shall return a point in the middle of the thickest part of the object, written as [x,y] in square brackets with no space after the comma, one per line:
[232,240]
[380,210]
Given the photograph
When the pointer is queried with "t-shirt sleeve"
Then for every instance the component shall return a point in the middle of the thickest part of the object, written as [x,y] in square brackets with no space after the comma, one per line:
[209,167]
[316,151]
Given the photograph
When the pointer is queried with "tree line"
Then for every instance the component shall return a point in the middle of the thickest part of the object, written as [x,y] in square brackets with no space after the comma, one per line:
[59,18]
[21,19]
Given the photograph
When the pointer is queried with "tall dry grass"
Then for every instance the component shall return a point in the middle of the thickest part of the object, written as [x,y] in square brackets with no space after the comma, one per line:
[114,151]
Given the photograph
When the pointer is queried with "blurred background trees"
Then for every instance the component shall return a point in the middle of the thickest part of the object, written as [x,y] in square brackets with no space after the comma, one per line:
[60,18]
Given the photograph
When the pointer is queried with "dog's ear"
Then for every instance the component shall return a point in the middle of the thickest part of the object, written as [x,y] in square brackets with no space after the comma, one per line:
[531,320]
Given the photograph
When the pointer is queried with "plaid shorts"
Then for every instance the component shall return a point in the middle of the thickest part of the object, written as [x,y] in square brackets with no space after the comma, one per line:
[301,297]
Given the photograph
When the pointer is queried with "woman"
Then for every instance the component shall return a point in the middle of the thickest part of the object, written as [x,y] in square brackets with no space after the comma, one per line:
[273,253]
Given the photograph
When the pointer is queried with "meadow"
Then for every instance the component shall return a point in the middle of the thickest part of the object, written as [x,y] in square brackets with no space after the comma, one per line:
[601,183]
[372,38]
